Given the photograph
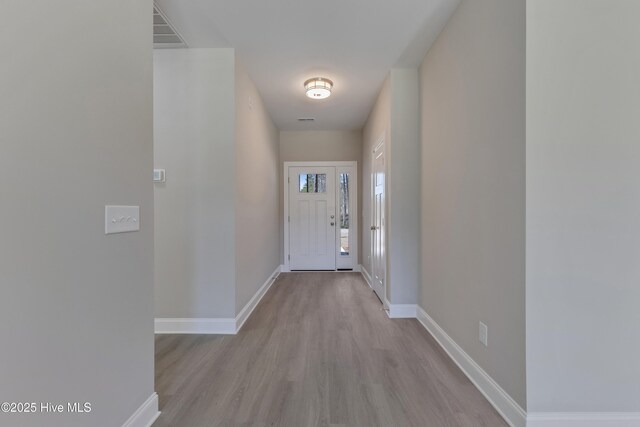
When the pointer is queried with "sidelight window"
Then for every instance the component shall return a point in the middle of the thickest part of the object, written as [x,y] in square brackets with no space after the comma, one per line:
[344,214]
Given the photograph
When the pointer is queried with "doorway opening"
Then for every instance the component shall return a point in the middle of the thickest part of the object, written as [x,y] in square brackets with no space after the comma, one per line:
[320,216]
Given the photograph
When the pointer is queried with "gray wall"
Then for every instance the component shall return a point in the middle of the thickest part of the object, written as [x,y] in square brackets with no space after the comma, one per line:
[76,134]
[583,206]
[395,116]
[403,158]
[473,185]
[194,113]
[257,190]
[317,146]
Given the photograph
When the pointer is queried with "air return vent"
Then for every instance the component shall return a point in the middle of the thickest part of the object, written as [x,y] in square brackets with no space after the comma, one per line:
[164,35]
[306,119]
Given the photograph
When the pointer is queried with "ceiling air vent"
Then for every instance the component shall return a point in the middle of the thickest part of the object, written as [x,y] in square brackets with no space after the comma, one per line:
[306,119]
[164,35]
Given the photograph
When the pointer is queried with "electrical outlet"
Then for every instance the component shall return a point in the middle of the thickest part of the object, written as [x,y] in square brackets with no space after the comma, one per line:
[483,334]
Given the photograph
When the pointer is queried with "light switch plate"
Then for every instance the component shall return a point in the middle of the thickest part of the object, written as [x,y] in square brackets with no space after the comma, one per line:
[121,219]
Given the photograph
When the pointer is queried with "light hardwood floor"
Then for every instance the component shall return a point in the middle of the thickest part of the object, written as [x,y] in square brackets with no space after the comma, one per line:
[317,351]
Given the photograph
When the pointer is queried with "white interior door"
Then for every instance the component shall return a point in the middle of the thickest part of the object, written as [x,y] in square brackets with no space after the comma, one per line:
[312,218]
[378,244]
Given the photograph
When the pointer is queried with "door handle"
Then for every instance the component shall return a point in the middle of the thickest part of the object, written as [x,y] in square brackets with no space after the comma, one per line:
[374,228]
[332,224]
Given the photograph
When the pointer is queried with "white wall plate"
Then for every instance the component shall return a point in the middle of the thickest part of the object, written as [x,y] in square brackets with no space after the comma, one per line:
[121,219]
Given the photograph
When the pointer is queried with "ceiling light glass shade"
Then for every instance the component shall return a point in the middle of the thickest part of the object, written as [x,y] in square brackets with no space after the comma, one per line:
[318,88]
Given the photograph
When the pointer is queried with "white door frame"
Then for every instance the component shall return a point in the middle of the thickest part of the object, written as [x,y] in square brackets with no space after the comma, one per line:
[353,200]
[380,142]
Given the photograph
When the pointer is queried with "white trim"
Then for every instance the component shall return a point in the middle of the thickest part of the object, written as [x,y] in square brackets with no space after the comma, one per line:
[146,414]
[583,419]
[401,311]
[221,326]
[215,326]
[366,275]
[508,408]
[380,142]
[285,216]
[253,302]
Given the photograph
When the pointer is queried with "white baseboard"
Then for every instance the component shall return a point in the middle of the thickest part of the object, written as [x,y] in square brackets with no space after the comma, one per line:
[366,275]
[146,414]
[508,408]
[583,419]
[253,302]
[222,326]
[401,311]
[214,326]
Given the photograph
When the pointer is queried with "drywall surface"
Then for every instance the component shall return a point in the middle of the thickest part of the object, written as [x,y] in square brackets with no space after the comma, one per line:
[312,146]
[257,191]
[318,146]
[395,119]
[76,134]
[403,221]
[583,206]
[473,184]
[194,141]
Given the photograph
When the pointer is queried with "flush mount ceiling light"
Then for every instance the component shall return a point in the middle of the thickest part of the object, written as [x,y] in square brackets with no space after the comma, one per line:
[318,88]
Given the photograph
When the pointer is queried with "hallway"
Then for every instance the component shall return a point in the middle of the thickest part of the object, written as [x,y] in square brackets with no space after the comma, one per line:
[318,350]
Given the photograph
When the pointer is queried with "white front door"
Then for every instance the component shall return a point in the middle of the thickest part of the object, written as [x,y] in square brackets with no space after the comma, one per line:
[312,218]
[378,243]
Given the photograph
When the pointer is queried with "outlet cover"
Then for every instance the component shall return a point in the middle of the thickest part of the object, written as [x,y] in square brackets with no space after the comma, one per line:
[483,334]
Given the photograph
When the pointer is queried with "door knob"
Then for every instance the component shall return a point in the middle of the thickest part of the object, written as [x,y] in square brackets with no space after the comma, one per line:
[332,216]
[373,228]
[333,223]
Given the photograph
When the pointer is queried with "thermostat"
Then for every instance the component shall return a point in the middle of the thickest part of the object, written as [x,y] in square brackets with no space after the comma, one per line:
[158,175]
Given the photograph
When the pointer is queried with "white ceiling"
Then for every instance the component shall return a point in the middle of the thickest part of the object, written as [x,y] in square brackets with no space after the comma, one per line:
[284,42]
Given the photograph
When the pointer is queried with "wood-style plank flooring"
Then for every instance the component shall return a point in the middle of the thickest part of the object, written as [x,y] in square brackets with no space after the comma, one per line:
[317,351]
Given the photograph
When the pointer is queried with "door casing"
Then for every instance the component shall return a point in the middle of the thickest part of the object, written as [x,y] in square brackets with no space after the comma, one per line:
[380,233]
